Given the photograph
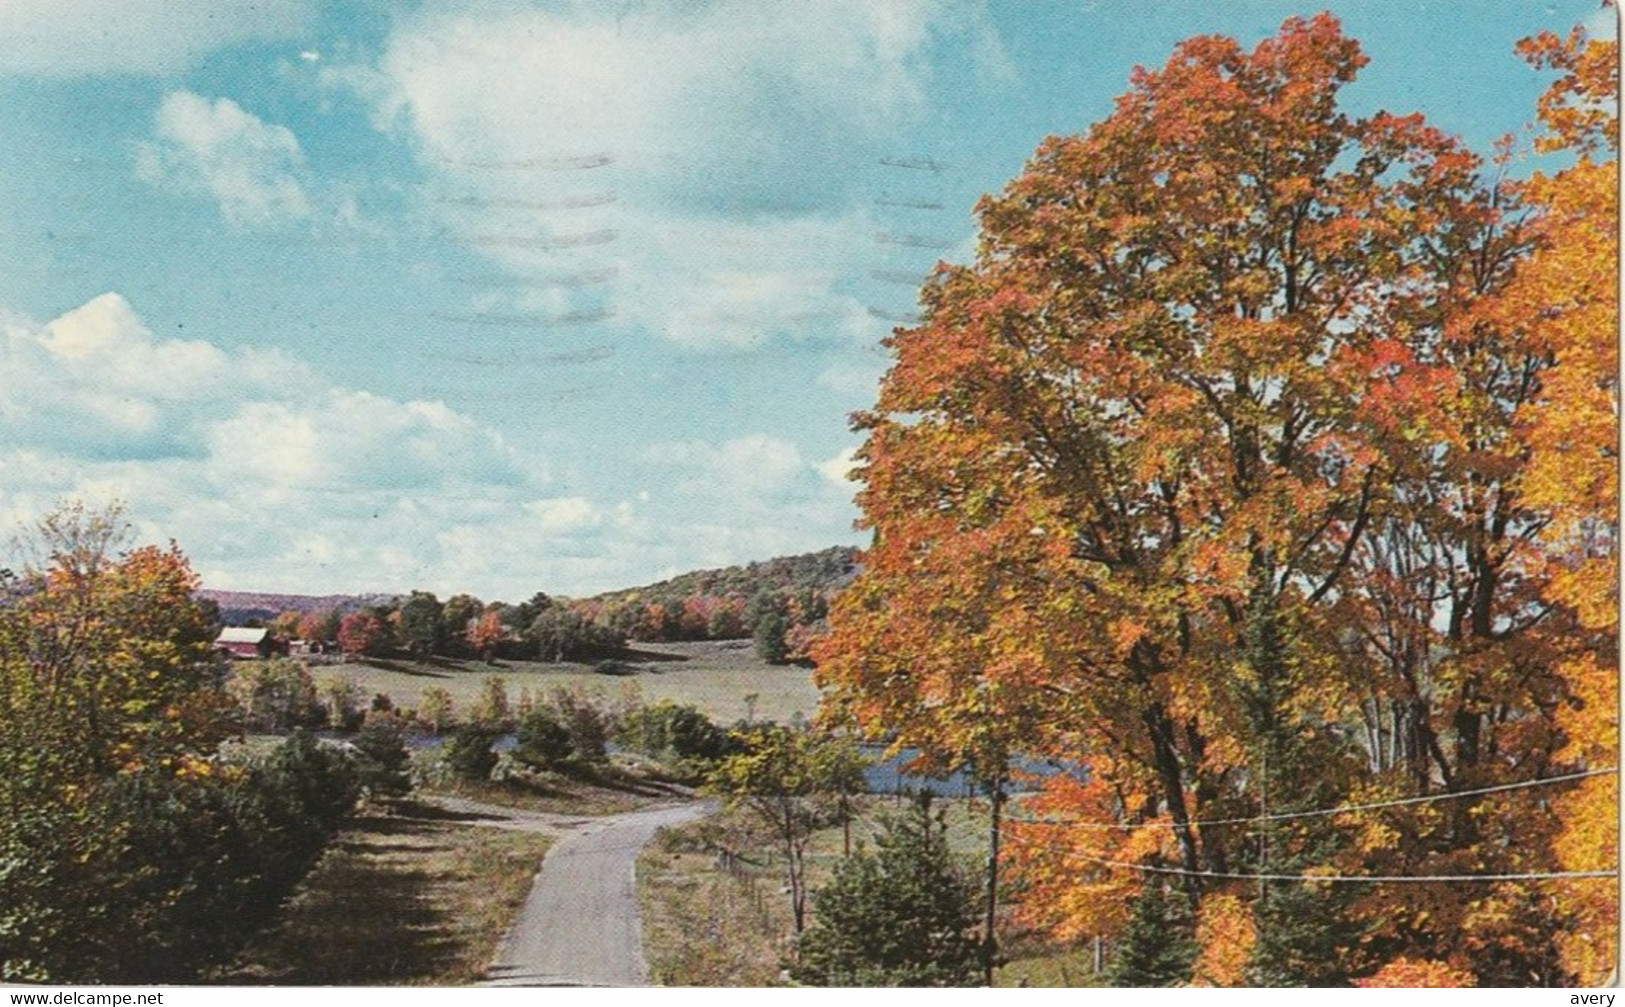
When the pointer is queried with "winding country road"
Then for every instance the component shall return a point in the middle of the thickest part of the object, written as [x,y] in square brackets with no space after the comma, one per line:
[581,925]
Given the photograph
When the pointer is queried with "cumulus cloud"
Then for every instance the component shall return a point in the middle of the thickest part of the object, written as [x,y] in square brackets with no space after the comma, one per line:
[705,154]
[261,466]
[274,478]
[744,466]
[839,468]
[745,498]
[69,38]
[250,167]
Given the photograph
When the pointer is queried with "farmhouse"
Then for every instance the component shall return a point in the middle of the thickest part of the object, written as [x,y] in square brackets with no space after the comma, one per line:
[245,641]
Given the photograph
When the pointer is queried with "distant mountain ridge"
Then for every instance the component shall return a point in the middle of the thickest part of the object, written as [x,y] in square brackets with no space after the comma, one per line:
[237,607]
[825,571]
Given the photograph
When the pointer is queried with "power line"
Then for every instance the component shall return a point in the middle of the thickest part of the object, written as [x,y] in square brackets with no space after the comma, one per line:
[1341,809]
[1333,878]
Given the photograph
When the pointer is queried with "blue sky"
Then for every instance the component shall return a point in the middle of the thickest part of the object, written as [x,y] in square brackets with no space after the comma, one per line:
[500,296]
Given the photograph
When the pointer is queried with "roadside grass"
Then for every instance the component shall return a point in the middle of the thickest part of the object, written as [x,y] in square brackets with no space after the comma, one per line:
[586,790]
[716,678]
[706,923]
[715,920]
[1037,966]
[413,896]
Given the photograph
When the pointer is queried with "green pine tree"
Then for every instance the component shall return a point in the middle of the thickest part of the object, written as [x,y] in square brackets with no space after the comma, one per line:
[1304,931]
[1305,935]
[1160,946]
[905,915]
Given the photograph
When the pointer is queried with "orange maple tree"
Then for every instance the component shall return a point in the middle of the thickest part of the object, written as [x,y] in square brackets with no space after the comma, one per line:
[1218,470]
[1568,292]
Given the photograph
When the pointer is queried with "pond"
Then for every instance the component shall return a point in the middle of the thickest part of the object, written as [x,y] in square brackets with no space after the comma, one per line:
[887,776]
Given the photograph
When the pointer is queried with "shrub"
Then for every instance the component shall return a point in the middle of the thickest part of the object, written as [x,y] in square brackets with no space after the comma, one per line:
[384,763]
[544,741]
[587,724]
[468,751]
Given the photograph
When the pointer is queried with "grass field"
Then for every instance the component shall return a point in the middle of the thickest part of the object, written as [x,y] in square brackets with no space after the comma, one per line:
[726,681]
[418,897]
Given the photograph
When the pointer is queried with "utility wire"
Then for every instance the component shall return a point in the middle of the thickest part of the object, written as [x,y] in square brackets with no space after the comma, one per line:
[1341,809]
[1333,878]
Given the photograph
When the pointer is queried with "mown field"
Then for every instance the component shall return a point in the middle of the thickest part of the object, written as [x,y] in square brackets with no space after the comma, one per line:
[726,681]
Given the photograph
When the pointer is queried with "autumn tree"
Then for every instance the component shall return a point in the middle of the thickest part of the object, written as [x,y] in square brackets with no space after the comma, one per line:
[1206,459]
[457,618]
[419,618]
[274,695]
[129,852]
[320,627]
[792,782]
[485,634]
[363,633]
[492,707]
[435,709]
[105,658]
[286,625]
[1568,292]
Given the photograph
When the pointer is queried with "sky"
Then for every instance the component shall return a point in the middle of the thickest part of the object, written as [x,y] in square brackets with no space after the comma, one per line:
[506,296]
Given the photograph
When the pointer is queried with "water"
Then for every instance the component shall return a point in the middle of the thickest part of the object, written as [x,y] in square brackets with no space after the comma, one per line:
[887,776]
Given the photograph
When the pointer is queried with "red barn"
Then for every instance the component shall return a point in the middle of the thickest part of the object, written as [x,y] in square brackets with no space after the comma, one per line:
[244,641]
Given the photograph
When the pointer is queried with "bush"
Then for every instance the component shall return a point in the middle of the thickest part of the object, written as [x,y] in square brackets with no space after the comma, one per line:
[157,873]
[275,695]
[311,785]
[544,741]
[691,735]
[468,751]
[675,732]
[588,727]
[384,764]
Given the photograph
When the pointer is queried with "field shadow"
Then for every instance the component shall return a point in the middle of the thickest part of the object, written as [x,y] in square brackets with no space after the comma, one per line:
[387,664]
[368,923]
[614,778]
[639,656]
[409,817]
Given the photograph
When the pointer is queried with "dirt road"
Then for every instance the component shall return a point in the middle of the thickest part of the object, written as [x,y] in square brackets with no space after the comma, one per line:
[581,925]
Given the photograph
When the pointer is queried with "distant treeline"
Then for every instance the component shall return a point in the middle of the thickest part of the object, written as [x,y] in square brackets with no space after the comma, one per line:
[781,604]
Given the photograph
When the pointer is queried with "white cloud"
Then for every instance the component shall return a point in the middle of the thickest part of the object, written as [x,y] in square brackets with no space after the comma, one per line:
[565,514]
[250,167]
[858,381]
[746,498]
[747,467]
[839,468]
[266,471]
[94,381]
[68,38]
[706,154]
[273,478]
[1603,23]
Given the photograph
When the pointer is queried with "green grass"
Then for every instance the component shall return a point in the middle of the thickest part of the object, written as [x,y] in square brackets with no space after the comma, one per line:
[719,680]
[588,790]
[706,926]
[1040,968]
[418,897]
